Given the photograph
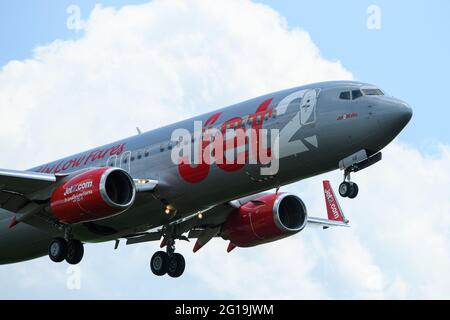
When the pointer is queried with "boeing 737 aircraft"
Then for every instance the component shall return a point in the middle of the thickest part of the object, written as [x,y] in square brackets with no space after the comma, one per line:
[202,178]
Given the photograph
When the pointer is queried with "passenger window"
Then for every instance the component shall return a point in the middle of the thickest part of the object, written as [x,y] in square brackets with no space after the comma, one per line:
[356,94]
[258,119]
[345,95]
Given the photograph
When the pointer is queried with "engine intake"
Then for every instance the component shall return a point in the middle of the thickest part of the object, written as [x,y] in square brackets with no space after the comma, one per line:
[290,213]
[266,219]
[92,195]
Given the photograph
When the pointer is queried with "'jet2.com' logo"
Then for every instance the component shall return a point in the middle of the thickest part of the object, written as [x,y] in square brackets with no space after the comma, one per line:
[78,187]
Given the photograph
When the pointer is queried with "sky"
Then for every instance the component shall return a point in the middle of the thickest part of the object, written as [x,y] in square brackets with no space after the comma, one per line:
[135,63]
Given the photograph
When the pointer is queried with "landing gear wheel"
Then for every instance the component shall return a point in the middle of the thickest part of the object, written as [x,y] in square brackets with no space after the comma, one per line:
[159,263]
[75,252]
[57,249]
[345,189]
[354,192]
[176,265]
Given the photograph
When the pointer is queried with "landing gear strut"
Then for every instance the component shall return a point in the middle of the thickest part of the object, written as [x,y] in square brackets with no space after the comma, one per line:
[348,189]
[71,250]
[168,262]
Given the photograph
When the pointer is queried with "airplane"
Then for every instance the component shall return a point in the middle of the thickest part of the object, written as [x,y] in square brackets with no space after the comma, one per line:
[205,177]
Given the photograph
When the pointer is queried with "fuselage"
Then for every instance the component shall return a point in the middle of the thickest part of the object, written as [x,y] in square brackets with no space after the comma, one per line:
[319,125]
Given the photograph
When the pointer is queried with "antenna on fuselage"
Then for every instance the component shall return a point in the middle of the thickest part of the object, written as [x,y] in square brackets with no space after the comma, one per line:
[138,130]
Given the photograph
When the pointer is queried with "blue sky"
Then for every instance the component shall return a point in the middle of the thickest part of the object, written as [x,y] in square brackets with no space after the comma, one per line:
[408,57]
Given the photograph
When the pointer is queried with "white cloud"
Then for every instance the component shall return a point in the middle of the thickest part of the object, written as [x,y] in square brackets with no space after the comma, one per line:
[156,63]
[148,65]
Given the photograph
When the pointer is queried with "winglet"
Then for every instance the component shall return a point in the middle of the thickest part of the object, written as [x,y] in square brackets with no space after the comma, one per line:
[197,246]
[13,223]
[333,208]
[231,247]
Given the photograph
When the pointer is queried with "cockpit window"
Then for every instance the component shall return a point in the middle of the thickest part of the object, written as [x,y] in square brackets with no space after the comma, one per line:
[345,95]
[372,92]
[356,94]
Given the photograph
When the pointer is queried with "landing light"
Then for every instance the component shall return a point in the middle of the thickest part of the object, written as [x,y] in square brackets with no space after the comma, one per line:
[169,209]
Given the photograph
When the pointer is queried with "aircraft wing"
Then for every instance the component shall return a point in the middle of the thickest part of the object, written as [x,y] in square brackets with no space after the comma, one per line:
[325,223]
[25,193]
[213,218]
[24,181]
[17,186]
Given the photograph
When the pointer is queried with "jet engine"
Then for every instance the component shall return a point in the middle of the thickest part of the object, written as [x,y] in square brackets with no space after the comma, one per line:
[92,195]
[265,219]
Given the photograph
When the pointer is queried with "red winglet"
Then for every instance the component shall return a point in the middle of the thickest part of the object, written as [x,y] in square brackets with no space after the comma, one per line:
[197,246]
[333,208]
[231,246]
[13,223]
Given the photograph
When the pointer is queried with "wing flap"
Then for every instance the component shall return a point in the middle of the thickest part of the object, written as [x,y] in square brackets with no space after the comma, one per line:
[151,236]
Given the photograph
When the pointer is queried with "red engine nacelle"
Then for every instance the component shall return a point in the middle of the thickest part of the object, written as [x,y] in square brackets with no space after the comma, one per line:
[94,194]
[266,219]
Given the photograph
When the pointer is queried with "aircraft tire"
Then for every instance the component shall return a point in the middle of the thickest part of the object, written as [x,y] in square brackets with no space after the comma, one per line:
[176,265]
[57,249]
[75,252]
[159,263]
[345,189]
[354,191]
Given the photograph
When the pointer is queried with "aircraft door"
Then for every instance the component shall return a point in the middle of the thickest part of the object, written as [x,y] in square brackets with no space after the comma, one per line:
[125,161]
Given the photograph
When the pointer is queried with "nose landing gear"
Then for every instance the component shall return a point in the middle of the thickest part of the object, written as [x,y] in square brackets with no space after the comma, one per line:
[354,163]
[348,189]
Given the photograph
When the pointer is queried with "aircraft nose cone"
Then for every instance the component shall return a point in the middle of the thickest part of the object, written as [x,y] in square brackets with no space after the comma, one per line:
[403,114]
[395,118]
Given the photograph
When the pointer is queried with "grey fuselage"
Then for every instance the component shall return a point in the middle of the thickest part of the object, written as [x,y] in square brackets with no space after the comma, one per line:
[335,129]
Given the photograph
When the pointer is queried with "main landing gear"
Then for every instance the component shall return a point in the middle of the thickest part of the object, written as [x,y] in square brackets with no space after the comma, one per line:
[348,189]
[70,250]
[168,262]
